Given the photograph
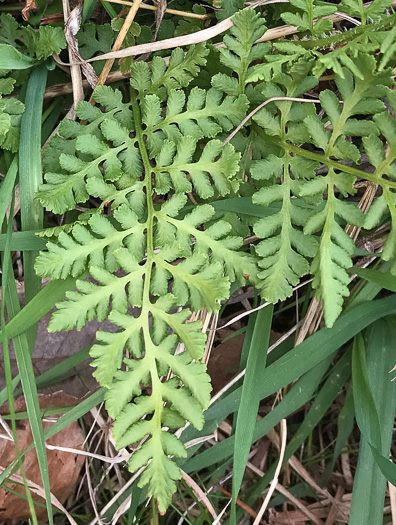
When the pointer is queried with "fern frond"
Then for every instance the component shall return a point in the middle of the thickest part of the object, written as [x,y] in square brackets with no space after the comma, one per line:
[179,72]
[241,51]
[300,124]
[145,256]
[360,97]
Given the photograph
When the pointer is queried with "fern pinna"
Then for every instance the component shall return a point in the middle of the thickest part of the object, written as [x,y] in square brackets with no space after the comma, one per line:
[146,246]
[160,143]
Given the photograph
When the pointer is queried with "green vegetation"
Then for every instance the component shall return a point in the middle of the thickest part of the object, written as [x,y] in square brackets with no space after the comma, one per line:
[250,163]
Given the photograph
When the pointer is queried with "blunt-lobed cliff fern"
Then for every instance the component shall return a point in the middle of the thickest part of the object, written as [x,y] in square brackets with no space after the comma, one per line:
[152,250]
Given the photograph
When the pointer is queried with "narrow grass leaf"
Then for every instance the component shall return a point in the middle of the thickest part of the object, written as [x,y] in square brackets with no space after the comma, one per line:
[250,397]
[39,306]
[385,280]
[375,403]
[5,194]
[67,419]
[300,393]
[7,267]
[302,358]
[25,368]
[324,399]
[24,241]
[365,409]
[30,177]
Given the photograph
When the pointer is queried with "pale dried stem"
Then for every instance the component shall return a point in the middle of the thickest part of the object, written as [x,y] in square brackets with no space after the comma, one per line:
[118,43]
[260,106]
[295,501]
[59,90]
[75,69]
[200,494]
[333,514]
[175,12]
[392,497]
[274,482]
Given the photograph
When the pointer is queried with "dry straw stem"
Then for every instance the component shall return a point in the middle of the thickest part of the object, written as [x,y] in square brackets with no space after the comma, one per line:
[306,512]
[203,36]
[59,90]
[118,43]
[260,106]
[198,37]
[75,69]
[167,11]
[200,494]
[392,496]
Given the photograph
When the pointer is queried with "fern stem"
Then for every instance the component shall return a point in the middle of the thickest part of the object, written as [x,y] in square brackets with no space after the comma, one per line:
[373,177]
[351,34]
[149,345]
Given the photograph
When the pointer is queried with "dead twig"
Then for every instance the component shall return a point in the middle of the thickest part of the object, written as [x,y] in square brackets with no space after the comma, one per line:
[117,44]
[175,12]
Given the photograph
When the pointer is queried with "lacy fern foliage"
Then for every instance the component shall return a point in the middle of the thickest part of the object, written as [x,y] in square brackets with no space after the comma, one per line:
[148,259]
[129,154]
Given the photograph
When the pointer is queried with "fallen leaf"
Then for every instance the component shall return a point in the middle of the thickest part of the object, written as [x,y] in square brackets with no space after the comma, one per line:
[29,6]
[63,467]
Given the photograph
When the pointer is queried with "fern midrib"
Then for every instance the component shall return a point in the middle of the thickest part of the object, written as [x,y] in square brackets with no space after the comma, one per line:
[325,160]
[325,243]
[347,36]
[286,204]
[145,313]
[186,115]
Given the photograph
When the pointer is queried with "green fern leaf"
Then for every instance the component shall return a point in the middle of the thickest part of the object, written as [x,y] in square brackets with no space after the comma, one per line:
[168,264]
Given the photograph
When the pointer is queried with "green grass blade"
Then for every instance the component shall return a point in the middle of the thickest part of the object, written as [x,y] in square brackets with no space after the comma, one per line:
[375,403]
[365,408]
[6,191]
[57,373]
[39,306]
[250,399]
[300,393]
[30,177]
[7,362]
[24,241]
[385,280]
[25,368]
[67,419]
[345,424]
[368,291]
[331,388]
[303,357]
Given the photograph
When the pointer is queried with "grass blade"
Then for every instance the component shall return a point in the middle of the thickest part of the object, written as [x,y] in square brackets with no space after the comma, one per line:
[25,368]
[24,241]
[385,280]
[67,419]
[39,306]
[331,388]
[7,363]
[6,192]
[299,394]
[375,402]
[302,358]
[30,177]
[250,399]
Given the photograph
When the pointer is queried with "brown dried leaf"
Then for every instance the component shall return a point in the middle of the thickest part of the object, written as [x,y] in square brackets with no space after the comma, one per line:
[63,467]
[29,6]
